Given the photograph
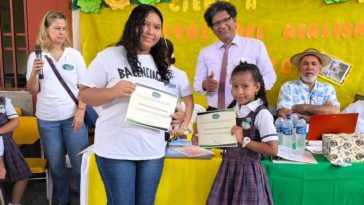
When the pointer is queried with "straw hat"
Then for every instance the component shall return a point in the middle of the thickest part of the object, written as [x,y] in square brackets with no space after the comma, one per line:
[325,60]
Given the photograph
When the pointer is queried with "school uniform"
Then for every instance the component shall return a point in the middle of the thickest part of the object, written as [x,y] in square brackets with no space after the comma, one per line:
[241,178]
[15,165]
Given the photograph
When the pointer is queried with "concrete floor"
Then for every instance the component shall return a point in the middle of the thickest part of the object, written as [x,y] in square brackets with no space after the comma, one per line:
[35,194]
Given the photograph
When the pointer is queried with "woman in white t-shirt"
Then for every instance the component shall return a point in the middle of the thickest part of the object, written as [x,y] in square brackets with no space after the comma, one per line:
[130,158]
[60,120]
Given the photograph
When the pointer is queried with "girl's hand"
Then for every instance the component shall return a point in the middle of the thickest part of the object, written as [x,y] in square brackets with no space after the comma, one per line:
[180,131]
[78,120]
[195,137]
[178,117]
[37,66]
[238,133]
[123,89]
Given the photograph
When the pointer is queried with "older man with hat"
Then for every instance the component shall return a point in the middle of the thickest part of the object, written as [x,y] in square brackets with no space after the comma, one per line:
[307,96]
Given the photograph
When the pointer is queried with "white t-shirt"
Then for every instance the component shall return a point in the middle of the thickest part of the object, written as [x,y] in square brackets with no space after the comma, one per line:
[115,138]
[53,101]
[357,107]
[179,83]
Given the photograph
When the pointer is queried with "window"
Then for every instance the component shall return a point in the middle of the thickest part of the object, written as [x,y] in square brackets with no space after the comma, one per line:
[13,44]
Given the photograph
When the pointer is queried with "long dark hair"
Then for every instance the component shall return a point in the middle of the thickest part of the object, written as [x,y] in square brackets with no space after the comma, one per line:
[257,77]
[130,39]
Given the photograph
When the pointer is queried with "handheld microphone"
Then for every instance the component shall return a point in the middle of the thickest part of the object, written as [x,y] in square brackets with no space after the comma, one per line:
[38,54]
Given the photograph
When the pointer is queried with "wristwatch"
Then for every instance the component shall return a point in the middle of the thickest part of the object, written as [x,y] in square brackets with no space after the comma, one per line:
[246,141]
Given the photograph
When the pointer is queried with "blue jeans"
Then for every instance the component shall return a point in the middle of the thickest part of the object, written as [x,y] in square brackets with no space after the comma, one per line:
[130,182]
[58,138]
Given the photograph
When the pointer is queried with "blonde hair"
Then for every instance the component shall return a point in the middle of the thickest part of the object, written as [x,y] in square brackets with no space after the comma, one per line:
[43,38]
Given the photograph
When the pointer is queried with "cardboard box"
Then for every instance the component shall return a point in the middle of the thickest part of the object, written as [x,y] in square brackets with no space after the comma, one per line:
[348,147]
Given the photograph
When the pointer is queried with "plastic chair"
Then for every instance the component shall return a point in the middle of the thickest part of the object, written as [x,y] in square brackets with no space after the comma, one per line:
[27,134]
[19,111]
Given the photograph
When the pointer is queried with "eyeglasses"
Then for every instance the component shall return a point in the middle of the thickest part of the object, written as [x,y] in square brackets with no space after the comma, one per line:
[224,21]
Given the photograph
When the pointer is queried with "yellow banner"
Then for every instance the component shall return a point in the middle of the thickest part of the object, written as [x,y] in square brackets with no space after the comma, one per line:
[286,27]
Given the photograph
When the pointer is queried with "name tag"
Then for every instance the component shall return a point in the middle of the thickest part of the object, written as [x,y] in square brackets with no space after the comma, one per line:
[67,67]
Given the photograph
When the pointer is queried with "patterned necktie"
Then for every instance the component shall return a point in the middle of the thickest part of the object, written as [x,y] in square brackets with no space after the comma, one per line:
[221,90]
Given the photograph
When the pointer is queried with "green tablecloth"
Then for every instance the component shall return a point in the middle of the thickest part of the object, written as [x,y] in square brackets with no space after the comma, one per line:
[321,184]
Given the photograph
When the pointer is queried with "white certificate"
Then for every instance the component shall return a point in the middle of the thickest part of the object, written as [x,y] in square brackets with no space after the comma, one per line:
[214,128]
[150,107]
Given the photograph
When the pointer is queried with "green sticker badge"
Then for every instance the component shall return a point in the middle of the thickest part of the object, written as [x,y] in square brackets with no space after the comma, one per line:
[67,67]
[246,123]
[171,85]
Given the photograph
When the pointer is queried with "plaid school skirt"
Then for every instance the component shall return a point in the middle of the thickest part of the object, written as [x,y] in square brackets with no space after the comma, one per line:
[241,180]
[15,165]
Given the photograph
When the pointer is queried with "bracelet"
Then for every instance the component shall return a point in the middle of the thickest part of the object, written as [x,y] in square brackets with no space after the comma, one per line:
[81,108]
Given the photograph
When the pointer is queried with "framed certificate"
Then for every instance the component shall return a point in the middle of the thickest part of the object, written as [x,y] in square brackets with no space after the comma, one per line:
[150,107]
[214,128]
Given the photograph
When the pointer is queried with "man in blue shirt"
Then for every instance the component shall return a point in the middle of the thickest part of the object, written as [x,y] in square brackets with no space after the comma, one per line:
[307,96]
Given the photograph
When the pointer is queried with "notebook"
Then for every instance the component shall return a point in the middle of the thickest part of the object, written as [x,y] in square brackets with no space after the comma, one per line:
[334,123]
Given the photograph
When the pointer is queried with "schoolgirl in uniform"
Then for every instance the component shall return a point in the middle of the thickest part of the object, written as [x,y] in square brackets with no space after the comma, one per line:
[241,178]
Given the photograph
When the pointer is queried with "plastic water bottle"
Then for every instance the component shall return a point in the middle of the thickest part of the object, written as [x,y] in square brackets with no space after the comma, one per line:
[301,135]
[287,130]
[295,120]
[278,124]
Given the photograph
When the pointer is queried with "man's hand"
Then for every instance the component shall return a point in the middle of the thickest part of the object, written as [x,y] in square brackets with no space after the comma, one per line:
[299,108]
[210,85]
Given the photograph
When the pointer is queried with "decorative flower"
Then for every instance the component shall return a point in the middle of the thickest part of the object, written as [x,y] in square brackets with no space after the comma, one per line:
[87,6]
[117,4]
[334,1]
[149,2]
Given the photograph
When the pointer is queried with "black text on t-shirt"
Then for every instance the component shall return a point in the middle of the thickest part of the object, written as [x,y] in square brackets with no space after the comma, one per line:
[145,72]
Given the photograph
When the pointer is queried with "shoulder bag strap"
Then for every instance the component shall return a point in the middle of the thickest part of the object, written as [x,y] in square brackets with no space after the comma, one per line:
[58,75]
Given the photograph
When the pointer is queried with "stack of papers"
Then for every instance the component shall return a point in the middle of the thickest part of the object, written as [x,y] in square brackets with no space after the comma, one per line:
[183,148]
[192,151]
[180,143]
[314,146]
[291,156]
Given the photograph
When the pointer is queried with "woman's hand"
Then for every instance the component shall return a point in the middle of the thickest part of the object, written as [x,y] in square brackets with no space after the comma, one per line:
[123,89]
[37,66]
[238,133]
[78,120]
[178,117]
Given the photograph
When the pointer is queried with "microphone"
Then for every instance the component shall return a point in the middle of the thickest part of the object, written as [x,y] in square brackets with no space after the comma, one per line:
[38,54]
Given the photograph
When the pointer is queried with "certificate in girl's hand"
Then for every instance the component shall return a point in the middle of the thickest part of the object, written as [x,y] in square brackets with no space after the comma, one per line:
[214,128]
[150,107]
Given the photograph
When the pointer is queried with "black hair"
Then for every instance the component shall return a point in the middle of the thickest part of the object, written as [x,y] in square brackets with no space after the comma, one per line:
[170,50]
[130,39]
[218,7]
[257,77]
